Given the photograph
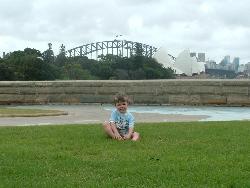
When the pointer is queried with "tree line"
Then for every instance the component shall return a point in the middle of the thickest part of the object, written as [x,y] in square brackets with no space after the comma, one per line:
[31,64]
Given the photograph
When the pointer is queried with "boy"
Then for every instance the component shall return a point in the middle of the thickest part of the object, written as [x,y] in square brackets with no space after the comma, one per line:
[121,123]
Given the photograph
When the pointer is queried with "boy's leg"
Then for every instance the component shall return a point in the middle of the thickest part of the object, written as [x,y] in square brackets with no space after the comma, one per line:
[108,130]
[135,136]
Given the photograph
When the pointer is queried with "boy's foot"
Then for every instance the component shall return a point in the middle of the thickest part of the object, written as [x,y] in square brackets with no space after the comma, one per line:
[135,136]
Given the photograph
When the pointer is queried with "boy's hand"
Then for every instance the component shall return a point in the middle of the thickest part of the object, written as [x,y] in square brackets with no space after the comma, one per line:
[126,136]
[118,136]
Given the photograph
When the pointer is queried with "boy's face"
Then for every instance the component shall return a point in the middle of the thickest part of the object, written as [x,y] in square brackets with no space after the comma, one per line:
[122,107]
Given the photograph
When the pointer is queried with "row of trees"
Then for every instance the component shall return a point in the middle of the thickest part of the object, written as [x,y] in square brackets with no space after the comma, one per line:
[31,64]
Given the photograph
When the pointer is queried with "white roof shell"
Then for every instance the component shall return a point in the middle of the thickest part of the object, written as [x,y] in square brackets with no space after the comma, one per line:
[184,63]
[162,57]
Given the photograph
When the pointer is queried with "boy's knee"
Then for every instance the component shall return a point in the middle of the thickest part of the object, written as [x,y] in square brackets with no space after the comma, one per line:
[106,125]
[137,134]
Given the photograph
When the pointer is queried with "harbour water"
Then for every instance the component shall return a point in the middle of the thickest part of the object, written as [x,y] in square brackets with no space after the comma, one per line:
[212,113]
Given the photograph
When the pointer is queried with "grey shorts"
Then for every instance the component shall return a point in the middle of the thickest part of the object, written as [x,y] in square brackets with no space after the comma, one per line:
[122,131]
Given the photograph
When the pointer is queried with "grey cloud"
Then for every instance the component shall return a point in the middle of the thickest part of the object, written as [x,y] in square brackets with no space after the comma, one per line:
[198,24]
[136,2]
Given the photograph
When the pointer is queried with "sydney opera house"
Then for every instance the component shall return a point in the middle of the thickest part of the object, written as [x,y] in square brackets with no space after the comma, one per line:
[182,64]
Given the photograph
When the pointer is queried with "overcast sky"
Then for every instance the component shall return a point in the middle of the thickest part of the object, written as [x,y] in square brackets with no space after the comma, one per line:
[216,27]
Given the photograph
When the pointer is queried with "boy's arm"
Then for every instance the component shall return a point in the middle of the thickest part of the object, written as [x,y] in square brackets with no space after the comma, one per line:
[131,120]
[115,131]
[130,132]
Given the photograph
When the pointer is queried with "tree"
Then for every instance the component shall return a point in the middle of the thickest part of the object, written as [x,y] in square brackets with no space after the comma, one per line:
[61,58]
[48,55]
[75,72]
[5,72]
[28,65]
[33,68]
[29,51]
[138,49]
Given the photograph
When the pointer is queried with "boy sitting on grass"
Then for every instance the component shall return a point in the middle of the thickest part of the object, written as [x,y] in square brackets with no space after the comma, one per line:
[121,123]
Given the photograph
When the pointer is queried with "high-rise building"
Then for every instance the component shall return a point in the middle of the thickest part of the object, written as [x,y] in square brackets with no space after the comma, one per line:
[211,64]
[241,68]
[236,63]
[193,54]
[201,57]
[247,68]
[227,59]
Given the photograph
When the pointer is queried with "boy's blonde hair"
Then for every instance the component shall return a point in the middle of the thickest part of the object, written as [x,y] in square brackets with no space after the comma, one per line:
[121,98]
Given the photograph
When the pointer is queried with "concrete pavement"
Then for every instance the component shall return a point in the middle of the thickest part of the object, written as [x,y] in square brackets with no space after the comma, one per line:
[87,114]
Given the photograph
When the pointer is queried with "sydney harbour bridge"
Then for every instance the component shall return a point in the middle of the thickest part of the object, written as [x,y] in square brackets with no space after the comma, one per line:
[122,48]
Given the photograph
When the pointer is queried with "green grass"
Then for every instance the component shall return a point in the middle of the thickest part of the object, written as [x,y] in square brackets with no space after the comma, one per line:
[200,154]
[18,112]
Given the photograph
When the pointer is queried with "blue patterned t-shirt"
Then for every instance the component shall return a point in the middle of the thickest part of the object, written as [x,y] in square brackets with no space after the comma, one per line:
[123,121]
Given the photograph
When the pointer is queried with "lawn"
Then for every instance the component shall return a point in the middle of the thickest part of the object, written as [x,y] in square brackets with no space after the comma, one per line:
[197,154]
[18,112]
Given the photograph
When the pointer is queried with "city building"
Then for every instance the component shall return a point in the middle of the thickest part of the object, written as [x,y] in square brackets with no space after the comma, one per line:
[211,64]
[241,68]
[193,54]
[201,57]
[247,69]
[225,60]
[236,63]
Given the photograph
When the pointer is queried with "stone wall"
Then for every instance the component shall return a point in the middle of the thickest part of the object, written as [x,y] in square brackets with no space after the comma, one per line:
[175,92]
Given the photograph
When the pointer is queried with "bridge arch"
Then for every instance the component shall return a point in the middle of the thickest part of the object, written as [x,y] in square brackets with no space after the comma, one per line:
[122,48]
